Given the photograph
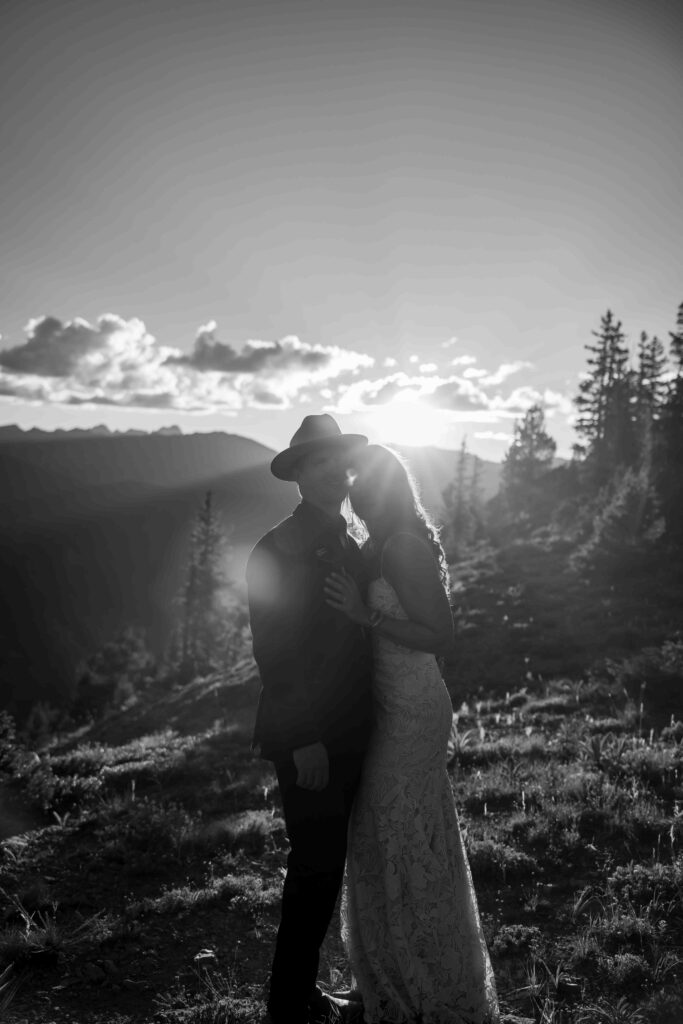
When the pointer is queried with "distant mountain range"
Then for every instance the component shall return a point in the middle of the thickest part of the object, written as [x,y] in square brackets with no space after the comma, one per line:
[12,432]
[95,529]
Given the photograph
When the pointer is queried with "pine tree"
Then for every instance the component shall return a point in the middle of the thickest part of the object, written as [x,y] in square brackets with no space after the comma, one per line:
[201,613]
[670,452]
[651,387]
[475,499]
[626,525]
[604,401]
[527,460]
[459,521]
[649,395]
[677,343]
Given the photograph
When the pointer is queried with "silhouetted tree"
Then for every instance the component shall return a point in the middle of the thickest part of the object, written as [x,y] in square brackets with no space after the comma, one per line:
[203,616]
[528,459]
[677,344]
[462,504]
[604,419]
[669,473]
[111,675]
[626,525]
[476,500]
[651,387]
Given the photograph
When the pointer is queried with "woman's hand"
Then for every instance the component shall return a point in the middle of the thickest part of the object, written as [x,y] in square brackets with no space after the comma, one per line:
[342,593]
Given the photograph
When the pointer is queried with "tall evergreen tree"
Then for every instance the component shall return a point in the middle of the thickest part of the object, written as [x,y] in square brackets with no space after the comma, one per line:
[475,499]
[651,387]
[527,460]
[201,613]
[677,343]
[649,395]
[457,516]
[670,454]
[604,401]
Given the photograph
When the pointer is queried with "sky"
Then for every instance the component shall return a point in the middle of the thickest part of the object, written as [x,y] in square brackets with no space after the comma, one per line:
[411,215]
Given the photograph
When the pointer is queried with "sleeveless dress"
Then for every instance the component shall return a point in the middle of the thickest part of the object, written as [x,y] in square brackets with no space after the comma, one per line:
[409,918]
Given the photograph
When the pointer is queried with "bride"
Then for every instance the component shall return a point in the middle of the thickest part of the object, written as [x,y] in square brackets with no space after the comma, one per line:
[410,922]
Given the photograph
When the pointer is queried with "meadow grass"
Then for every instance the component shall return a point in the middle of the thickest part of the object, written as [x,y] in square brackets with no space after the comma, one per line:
[154,894]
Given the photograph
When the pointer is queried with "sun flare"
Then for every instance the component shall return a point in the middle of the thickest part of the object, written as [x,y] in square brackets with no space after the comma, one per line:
[409,423]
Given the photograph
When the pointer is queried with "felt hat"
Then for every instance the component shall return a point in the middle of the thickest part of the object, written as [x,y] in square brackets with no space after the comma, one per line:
[315,432]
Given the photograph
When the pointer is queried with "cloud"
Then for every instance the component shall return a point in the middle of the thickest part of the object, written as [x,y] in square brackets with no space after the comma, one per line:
[467,396]
[485,378]
[55,349]
[448,393]
[504,371]
[494,435]
[94,400]
[117,362]
[522,398]
[211,354]
[555,401]
[263,397]
[459,394]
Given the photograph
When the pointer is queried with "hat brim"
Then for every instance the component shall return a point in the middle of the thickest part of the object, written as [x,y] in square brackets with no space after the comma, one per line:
[284,463]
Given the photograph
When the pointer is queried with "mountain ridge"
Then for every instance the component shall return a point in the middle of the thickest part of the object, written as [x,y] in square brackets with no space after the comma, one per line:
[95,532]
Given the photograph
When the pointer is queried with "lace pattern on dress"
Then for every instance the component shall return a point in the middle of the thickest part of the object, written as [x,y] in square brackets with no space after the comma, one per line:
[409,917]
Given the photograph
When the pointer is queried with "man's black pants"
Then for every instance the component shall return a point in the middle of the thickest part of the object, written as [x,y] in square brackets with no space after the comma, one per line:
[317,825]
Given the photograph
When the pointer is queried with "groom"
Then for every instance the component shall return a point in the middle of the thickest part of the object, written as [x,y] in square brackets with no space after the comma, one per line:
[314,715]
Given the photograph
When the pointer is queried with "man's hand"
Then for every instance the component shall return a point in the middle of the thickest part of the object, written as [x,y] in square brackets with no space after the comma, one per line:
[313,766]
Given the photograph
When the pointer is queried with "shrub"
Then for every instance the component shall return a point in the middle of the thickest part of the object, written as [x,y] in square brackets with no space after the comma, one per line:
[248,831]
[654,674]
[619,929]
[152,830]
[117,672]
[627,971]
[513,939]
[640,884]
[625,526]
[10,749]
[607,1012]
[664,1007]
[493,861]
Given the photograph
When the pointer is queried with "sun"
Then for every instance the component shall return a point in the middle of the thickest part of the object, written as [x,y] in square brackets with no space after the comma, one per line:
[409,422]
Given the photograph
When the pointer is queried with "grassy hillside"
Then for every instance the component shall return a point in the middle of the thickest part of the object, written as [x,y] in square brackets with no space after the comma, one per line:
[142,856]
[150,894]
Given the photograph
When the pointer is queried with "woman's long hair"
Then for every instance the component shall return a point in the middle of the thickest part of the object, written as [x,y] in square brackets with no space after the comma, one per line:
[401,507]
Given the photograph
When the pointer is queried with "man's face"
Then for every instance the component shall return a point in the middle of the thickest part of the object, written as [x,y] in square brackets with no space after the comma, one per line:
[323,476]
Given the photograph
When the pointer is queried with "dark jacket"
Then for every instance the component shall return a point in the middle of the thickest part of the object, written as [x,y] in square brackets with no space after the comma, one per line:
[315,664]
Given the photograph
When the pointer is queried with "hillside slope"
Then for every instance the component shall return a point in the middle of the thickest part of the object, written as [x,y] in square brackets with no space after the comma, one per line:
[151,894]
[94,536]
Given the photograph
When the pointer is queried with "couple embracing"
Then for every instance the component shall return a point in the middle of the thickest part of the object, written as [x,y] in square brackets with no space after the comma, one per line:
[356,717]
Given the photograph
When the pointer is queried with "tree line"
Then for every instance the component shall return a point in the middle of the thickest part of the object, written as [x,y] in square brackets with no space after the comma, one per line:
[617,499]
[622,490]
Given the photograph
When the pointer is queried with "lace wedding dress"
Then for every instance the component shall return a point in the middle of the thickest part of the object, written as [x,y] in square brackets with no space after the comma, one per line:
[410,923]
